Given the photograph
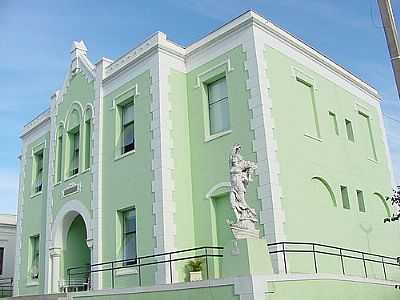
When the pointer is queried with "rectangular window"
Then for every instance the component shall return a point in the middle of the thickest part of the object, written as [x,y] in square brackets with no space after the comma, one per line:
[129,235]
[1,260]
[345,197]
[38,181]
[360,199]
[366,135]
[88,139]
[59,157]
[307,107]
[349,130]
[128,128]
[334,122]
[34,253]
[74,165]
[218,106]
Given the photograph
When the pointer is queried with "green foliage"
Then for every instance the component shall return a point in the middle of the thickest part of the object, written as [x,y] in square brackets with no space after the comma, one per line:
[195,265]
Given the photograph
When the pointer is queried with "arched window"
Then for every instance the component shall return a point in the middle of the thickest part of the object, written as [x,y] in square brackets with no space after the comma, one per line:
[327,188]
[383,204]
[88,137]
[73,142]
[59,152]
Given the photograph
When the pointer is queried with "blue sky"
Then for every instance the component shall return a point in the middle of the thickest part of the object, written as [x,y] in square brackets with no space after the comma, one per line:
[36,36]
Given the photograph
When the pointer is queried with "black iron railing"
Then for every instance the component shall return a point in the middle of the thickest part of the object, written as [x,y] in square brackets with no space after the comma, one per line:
[6,287]
[287,250]
[82,274]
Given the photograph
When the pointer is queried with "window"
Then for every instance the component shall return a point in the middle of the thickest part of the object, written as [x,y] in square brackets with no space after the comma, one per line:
[334,122]
[345,197]
[127,128]
[349,130]
[129,235]
[360,199]
[366,135]
[74,153]
[34,253]
[218,106]
[38,175]
[59,157]
[306,106]
[1,260]
[88,140]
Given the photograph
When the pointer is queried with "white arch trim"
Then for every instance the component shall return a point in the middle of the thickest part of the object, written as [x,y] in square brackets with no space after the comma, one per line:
[64,219]
[218,189]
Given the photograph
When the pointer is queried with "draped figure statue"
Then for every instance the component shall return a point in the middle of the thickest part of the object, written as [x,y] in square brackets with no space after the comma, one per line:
[241,172]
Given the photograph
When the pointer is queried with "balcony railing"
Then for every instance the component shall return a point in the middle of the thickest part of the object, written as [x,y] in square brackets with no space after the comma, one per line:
[298,257]
[78,278]
[6,287]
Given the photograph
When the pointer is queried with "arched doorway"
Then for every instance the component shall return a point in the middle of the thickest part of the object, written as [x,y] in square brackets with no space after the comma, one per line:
[76,256]
[71,246]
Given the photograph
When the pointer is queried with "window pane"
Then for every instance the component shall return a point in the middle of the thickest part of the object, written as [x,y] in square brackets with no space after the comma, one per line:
[127,113]
[130,246]
[130,221]
[219,117]
[76,141]
[128,134]
[217,90]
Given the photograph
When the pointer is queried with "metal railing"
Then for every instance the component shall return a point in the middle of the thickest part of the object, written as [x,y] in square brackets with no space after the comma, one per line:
[318,252]
[139,263]
[6,287]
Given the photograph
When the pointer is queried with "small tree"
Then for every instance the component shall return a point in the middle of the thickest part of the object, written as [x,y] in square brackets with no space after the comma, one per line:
[395,202]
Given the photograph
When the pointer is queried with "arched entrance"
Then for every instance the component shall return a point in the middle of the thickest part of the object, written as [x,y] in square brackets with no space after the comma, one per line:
[76,255]
[71,245]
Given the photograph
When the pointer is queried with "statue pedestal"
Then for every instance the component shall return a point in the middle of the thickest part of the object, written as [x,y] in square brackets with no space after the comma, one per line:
[246,257]
[240,232]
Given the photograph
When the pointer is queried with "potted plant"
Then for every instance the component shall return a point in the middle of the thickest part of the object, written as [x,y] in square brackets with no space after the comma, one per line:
[195,267]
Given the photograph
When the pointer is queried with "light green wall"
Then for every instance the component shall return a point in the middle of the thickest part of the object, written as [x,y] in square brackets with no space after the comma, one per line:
[330,290]
[34,211]
[127,180]
[209,160]
[82,91]
[209,293]
[309,210]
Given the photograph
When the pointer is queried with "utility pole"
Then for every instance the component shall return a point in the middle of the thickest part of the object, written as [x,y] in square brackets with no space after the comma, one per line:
[389,26]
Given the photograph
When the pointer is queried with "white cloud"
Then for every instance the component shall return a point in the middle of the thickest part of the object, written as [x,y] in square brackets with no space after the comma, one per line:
[8,190]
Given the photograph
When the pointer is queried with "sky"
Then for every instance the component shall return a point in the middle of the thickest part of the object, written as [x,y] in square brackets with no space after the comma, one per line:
[36,36]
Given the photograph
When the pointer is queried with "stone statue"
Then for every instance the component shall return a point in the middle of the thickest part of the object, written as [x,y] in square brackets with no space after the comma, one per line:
[241,172]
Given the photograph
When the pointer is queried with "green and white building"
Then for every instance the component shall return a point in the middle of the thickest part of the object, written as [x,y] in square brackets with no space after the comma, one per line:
[131,160]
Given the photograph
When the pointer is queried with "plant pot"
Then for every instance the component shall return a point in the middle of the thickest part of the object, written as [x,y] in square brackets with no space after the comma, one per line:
[195,276]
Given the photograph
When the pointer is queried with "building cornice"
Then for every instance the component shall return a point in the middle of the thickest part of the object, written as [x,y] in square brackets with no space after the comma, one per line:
[42,118]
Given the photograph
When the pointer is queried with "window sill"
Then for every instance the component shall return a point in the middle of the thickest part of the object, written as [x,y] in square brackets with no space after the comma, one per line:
[32,282]
[217,135]
[313,137]
[127,271]
[71,177]
[85,171]
[121,156]
[37,194]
